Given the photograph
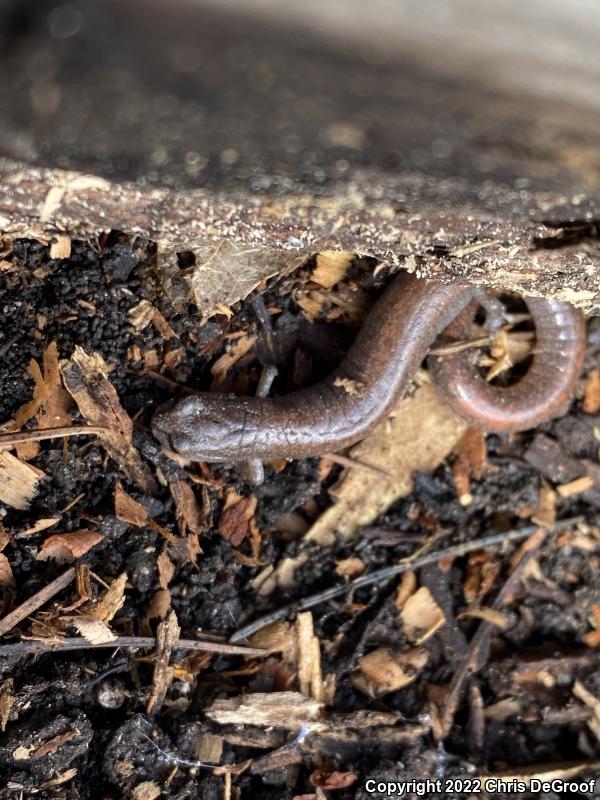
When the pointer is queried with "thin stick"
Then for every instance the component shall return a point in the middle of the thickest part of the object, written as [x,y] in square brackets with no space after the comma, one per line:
[37,600]
[477,653]
[352,463]
[458,347]
[39,435]
[37,646]
[385,574]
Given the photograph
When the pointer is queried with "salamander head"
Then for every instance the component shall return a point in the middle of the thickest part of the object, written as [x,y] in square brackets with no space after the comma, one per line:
[201,427]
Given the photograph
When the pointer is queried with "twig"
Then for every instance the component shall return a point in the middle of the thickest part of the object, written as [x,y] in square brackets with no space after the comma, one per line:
[479,645]
[37,646]
[385,574]
[8,440]
[37,600]
[458,347]
[352,463]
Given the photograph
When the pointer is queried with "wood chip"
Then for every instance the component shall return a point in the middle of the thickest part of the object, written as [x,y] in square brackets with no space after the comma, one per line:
[310,679]
[147,790]
[60,246]
[93,630]
[331,266]
[7,700]
[287,710]
[209,748]
[383,671]
[140,316]
[18,482]
[545,512]
[421,616]
[591,392]
[86,379]
[592,702]
[40,525]
[7,579]
[167,635]
[64,548]
[162,326]
[577,486]
[420,434]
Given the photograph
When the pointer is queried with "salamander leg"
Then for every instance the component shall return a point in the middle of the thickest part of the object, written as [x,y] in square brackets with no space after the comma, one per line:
[252,471]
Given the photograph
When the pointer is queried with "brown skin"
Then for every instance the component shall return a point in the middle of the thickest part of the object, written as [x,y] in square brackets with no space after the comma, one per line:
[395,338]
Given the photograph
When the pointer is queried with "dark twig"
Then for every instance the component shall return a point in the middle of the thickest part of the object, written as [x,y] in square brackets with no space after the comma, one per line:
[38,646]
[479,645]
[385,574]
[37,600]
[8,440]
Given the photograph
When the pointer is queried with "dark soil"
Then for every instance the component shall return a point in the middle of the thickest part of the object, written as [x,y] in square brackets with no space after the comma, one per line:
[95,698]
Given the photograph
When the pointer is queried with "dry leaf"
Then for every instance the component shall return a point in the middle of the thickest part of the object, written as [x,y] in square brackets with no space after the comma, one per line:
[111,601]
[129,510]
[187,512]
[226,273]
[331,266]
[381,671]
[349,568]
[591,395]
[93,630]
[482,572]
[158,609]
[420,435]
[64,548]
[421,616]
[235,350]
[86,379]
[18,482]
[166,568]
[234,522]
[471,459]
[332,781]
